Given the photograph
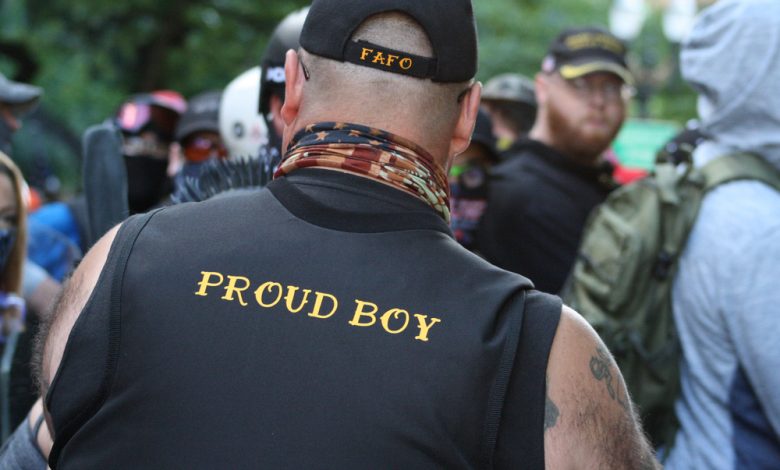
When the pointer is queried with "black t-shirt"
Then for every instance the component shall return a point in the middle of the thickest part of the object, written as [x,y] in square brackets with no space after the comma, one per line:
[325,322]
[539,201]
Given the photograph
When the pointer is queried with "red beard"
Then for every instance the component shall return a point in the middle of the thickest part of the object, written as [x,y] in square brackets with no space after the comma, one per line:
[584,139]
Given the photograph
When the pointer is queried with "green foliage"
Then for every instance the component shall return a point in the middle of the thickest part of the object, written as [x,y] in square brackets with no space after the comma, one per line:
[90,54]
[514,36]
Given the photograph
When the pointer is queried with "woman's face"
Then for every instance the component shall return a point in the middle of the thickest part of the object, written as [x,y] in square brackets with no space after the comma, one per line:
[8,209]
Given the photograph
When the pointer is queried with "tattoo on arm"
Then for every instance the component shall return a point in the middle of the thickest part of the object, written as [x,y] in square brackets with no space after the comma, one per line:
[600,368]
[551,412]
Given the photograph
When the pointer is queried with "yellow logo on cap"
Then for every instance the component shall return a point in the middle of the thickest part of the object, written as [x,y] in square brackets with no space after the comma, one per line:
[599,40]
[378,57]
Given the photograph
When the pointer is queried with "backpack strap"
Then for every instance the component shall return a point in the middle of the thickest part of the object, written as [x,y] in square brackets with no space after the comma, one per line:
[684,207]
[740,166]
[680,195]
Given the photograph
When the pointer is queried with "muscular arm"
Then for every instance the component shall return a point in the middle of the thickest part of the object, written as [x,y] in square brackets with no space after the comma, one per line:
[55,331]
[589,419]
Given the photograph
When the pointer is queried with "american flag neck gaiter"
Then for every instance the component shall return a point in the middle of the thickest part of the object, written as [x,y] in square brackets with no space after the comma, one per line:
[371,153]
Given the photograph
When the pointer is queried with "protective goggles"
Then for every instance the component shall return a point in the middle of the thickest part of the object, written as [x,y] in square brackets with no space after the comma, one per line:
[200,149]
[134,117]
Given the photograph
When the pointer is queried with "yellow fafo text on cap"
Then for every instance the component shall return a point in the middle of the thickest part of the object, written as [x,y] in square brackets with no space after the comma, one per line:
[378,57]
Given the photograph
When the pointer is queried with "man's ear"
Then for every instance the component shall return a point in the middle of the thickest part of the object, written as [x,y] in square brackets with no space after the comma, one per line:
[464,127]
[293,87]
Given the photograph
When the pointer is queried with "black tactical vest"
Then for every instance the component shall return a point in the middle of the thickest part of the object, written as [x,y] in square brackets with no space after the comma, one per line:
[326,321]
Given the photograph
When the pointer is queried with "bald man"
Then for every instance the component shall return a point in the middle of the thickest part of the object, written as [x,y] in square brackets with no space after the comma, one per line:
[331,320]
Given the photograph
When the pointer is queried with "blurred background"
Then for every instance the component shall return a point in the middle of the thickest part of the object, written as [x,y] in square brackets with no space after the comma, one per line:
[89,55]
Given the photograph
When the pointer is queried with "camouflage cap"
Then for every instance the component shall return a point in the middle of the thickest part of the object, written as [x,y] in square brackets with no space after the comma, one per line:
[510,87]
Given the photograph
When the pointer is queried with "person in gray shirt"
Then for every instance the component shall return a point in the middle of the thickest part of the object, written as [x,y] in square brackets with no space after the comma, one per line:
[725,297]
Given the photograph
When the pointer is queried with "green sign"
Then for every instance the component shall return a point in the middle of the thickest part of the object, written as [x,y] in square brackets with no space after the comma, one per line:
[640,140]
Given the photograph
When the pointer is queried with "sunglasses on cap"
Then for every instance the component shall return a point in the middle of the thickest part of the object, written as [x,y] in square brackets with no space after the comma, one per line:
[200,149]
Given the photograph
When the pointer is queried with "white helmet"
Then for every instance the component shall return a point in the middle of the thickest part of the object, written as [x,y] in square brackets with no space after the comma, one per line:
[242,127]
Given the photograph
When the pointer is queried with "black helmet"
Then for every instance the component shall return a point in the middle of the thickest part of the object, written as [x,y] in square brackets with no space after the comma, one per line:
[285,37]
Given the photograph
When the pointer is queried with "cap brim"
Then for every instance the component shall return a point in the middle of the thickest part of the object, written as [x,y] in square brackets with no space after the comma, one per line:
[501,95]
[526,101]
[570,71]
[19,94]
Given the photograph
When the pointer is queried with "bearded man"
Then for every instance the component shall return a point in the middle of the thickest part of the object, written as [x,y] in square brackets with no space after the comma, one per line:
[541,196]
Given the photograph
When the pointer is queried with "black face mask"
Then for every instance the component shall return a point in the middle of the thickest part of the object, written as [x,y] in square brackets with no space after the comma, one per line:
[147,182]
[7,240]
[5,137]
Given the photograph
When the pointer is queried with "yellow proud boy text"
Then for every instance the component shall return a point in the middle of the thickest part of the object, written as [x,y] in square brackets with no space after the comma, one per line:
[322,306]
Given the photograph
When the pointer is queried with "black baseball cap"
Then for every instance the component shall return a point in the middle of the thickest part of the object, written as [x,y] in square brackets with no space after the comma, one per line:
[202,115]
[450,26]
[581,51]
[511,87]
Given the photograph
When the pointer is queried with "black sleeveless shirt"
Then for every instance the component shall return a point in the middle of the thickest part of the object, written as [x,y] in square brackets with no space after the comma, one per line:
[326,321]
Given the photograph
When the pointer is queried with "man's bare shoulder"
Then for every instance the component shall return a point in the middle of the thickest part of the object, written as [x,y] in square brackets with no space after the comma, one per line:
[75,295]
[589,419]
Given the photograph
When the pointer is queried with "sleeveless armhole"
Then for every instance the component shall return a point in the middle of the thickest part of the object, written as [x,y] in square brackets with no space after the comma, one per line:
[84,378]
[515,308]
[521,435]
